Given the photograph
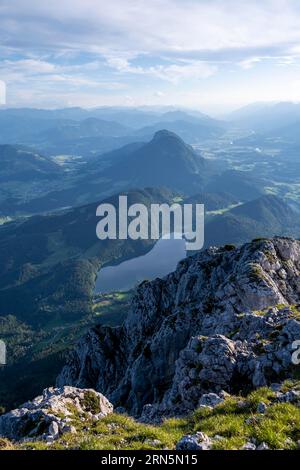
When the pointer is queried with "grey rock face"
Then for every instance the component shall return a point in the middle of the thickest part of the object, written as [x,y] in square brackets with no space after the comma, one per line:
[213,325]
[46,416]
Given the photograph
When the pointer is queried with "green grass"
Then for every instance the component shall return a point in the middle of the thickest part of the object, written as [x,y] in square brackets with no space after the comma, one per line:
[5,220]
[177,199]
[236,420]
[116,432]
[294,311]
[223,211]
[91,402]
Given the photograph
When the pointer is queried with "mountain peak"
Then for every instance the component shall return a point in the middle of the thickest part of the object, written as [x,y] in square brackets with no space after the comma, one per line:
[170,141]
[164,134]
[164,161]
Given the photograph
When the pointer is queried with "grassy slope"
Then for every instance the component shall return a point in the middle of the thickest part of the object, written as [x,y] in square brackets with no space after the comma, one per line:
[236,421]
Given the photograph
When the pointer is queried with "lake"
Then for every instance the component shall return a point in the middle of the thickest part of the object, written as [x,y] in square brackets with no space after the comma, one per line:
[161,260]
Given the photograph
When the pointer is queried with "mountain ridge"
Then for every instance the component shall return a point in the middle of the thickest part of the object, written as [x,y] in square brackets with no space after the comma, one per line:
[22,163]
[265,216]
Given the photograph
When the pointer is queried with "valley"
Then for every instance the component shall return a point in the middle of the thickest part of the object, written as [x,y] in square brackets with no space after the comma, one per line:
[58,282]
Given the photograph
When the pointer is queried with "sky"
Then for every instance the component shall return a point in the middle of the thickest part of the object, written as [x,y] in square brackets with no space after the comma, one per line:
[213,55]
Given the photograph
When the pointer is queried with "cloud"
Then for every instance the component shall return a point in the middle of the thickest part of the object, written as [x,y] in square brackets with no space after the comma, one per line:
[285,60]
[249,63]
[41,71]
[133,27]
[173,73]
[43,83]
[27,67]
[71,50]
[2,92]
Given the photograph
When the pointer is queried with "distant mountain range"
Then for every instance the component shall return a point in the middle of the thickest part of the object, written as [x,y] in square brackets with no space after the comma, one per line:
[76,131]
[134,117]
[271,128]
[91,127]
[192,130]
[266,117]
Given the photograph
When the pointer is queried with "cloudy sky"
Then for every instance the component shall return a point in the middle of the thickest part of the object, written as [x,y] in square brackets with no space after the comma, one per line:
[209,54]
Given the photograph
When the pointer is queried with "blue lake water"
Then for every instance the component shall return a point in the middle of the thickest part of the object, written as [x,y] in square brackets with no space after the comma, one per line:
[158,262]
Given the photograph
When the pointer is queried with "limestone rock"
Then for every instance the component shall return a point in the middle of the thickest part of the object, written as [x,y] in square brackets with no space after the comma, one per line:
[210,399]
[54,430]
[198,441]
[46,416]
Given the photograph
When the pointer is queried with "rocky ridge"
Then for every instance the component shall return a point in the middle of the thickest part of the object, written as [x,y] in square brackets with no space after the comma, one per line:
[215,340]
[224,322]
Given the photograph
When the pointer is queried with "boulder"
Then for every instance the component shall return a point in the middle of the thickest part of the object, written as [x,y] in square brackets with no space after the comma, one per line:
[198,441]
[46,416]
[210,399]
[261,407]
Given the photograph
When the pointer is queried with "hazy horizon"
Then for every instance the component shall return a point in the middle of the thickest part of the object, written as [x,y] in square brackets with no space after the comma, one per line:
[217,113]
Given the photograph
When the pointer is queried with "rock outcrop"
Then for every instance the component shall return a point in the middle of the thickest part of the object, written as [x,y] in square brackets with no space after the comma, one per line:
[51,414]
[224,321]
[198,441]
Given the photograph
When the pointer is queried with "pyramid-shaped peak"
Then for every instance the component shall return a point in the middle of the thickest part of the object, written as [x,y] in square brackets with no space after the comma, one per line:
[166,135]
